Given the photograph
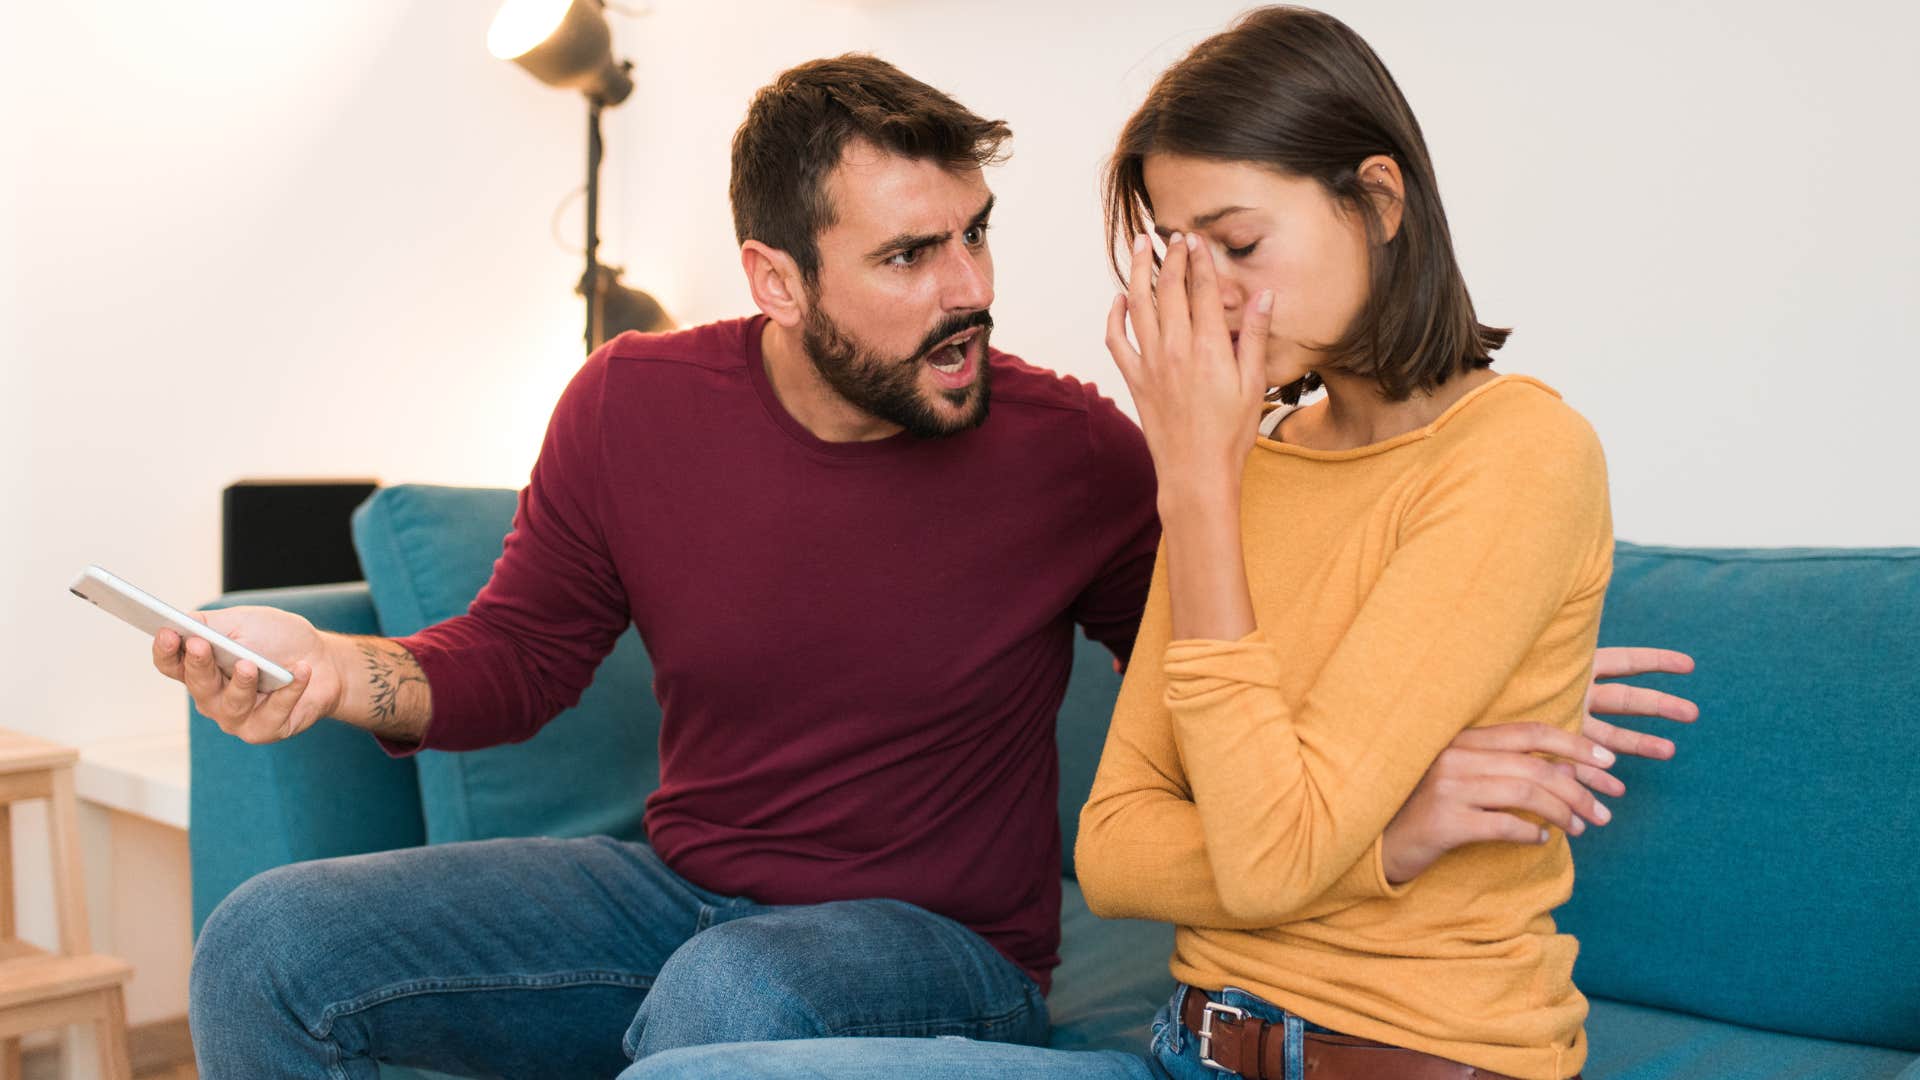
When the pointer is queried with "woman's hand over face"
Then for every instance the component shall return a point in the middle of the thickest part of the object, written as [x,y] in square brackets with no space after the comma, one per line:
[1198,395]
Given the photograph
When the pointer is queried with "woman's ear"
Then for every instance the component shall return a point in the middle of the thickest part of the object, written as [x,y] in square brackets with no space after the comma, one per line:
[775,280]
[1380,178]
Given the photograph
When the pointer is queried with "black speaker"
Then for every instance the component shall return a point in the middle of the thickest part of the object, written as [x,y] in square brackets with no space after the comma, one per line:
[276,533]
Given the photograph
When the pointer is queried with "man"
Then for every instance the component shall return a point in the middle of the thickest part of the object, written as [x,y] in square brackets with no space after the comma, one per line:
[856,541]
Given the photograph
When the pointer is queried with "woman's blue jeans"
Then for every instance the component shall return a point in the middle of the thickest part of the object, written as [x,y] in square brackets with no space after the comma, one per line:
[1173,1054]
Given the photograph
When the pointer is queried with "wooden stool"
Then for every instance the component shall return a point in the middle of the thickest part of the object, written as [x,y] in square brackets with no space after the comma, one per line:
[39,989]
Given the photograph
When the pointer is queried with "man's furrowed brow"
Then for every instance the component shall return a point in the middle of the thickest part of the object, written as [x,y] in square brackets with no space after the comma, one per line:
[911,241]
[903,242]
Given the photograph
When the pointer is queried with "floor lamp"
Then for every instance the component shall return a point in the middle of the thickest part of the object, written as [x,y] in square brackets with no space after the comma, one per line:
[566,43]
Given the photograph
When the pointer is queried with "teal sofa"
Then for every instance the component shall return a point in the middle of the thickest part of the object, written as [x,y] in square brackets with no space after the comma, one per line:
[1750,913]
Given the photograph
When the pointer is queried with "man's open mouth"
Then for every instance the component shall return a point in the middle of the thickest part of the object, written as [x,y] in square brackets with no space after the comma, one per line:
[956,361]
[950,356]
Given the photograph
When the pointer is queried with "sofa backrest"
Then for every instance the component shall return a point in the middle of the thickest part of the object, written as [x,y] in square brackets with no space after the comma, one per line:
[1767,875]
[427,551]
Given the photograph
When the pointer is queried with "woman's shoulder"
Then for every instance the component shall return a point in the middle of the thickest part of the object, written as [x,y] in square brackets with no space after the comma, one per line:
[1518,413]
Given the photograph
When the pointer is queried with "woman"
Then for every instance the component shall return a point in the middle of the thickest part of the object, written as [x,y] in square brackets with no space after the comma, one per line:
[1343,589]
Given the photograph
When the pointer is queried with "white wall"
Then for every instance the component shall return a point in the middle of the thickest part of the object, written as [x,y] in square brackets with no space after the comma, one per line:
[313,239]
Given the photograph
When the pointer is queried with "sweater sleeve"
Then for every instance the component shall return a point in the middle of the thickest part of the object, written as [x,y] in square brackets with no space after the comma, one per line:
[1287,801]
[529,644]
[1141,853]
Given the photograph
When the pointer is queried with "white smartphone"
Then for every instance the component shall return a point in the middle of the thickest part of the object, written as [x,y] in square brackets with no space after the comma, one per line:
[150,615]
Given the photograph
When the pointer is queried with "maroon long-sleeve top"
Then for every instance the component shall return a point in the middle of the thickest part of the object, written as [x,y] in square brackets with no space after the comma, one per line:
[859,648]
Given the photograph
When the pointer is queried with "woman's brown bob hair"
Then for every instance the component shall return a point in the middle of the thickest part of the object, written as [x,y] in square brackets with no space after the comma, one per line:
[1298,91]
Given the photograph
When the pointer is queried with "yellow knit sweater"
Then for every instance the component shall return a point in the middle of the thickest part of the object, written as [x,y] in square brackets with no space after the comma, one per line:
[1449,578]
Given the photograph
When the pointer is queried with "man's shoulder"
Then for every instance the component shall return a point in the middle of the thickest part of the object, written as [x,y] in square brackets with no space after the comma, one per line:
[1019,383]
[714,346]
[1051,406]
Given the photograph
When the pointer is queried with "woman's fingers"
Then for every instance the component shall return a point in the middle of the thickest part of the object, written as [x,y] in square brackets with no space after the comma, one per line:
[1176,324]
[1503,770]
[1125,356]
[1252,348]
[1598,780]
[1203,290]
[1517,794]
[1146,321]
[1490,765]
[1499,826]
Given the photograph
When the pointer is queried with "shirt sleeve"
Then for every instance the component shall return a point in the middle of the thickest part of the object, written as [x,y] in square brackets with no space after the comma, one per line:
[1141,852]
[1286,801]
[529,644]
[1124,525]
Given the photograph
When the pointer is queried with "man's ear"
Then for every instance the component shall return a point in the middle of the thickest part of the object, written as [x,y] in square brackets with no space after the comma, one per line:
[774,278]
[1380,177]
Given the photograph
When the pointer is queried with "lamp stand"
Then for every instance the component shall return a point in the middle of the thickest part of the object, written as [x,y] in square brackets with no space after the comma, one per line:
[590,285]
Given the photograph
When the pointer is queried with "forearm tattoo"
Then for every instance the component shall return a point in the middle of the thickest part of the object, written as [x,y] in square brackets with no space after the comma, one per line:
[397,695]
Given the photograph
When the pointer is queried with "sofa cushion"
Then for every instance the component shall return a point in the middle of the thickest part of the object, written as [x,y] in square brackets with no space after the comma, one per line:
[1081,733]
[427,551]
[1631,1042]
[1766,875]
[1112,978]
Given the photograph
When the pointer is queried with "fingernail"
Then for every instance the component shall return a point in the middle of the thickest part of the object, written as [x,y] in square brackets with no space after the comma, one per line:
[1578,827]
[1193,242]
[1265,303]
[1603,755]
[1545,836]
[1140,242]
[1174,240]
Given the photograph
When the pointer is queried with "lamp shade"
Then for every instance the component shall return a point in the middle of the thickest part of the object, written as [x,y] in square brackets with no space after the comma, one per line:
[562,43]
[619,307]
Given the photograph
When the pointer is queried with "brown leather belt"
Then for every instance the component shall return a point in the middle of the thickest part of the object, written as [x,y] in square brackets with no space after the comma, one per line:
[1246,1046]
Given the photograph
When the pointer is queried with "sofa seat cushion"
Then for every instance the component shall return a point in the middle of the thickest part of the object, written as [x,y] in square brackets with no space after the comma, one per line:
[1630,1042]
[427,551]
[1112,978]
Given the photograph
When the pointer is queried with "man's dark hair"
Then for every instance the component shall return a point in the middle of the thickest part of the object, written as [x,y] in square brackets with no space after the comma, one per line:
[799,125]
[1299,92]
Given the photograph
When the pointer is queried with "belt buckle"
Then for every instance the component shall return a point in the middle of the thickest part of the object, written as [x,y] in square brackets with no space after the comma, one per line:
[1208,1011]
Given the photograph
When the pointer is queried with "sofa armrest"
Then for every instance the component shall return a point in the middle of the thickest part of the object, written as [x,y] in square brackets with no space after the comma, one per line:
[329,791]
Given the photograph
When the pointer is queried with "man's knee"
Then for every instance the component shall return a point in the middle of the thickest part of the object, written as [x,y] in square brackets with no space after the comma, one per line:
[258,942]
[740,981]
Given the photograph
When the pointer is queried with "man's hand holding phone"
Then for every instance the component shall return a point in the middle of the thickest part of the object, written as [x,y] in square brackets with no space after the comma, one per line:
[236,703]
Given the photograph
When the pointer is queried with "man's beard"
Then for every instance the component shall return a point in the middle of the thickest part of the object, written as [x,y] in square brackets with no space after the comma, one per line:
[889,388]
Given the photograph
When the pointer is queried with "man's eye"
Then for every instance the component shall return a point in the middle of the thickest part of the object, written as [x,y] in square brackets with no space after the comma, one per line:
[904,258]
[1242,252]
[977,235]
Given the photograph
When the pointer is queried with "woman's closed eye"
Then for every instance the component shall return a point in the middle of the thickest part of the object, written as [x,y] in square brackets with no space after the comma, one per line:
[1241,252]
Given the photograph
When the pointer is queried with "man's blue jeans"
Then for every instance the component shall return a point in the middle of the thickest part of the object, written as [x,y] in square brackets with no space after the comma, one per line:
[561,958]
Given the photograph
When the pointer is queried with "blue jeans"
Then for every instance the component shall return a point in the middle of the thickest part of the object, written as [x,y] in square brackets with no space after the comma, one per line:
[1173,1054]
[535,957]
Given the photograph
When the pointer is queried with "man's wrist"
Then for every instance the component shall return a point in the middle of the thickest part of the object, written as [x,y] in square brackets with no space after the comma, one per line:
[344,659]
